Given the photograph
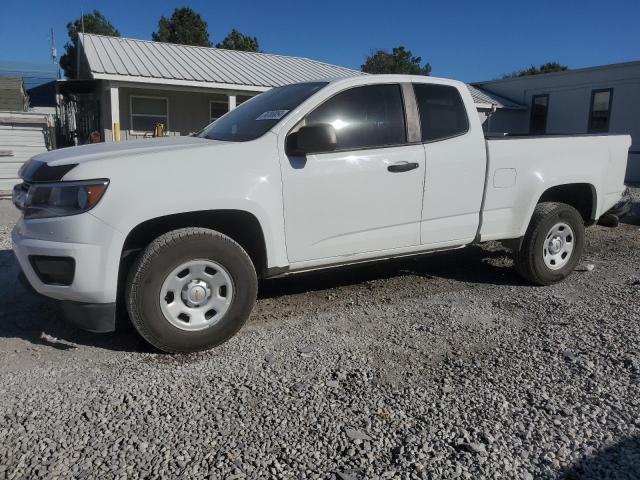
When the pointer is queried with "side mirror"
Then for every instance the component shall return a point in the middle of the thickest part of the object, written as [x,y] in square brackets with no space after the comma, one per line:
[312,139]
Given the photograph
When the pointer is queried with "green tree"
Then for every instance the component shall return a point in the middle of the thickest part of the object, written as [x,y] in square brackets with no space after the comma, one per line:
[399,60]
[238,41]
[185,27]
[548,67]
[94,22]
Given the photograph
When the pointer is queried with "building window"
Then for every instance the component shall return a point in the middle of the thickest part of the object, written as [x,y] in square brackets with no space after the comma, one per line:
[218,108]
[600,111]
[539,109]
[147,112]
[442,112]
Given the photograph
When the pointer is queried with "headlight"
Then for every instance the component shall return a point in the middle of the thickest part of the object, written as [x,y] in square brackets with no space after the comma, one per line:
[45,200]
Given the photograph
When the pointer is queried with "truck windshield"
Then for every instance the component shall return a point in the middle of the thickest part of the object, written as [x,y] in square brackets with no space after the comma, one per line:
[254,118]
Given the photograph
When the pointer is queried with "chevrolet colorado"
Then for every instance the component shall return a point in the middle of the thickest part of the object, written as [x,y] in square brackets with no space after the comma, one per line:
[306,176]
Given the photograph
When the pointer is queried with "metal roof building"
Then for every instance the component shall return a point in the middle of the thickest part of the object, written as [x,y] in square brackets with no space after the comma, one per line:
[488,100]
[115,58]
[27,98]
[143,83]
[39,80]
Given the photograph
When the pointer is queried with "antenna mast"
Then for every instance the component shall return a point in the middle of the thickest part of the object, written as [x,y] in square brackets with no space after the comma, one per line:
[78,46]
[54,51]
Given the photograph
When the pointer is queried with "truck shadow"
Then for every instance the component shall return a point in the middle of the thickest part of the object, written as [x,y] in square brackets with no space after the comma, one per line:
[618,462]
[633,217]
[36,319]
[488,264]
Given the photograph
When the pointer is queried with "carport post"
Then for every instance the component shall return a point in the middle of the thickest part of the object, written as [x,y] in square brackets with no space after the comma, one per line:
[115,113]
[232,102]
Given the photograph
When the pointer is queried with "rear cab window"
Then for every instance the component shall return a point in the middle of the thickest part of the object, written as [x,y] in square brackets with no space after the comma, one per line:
[442,112]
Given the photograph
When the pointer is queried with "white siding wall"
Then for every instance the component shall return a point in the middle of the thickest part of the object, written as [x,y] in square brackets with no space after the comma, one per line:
[18,143]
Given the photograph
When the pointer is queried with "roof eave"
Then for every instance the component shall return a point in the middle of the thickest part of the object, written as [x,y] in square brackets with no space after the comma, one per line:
[179,83]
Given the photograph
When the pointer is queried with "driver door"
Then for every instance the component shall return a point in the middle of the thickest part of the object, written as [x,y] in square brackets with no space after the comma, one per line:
[366,195]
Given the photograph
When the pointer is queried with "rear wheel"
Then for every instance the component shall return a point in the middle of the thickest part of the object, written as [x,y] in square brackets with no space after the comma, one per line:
[190,290]
[552,245]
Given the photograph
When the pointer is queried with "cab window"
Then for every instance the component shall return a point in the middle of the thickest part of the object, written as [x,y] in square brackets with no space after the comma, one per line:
[442,112]
[364,117]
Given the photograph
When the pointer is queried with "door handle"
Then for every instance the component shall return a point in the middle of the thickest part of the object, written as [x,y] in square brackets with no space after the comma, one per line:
[402,167]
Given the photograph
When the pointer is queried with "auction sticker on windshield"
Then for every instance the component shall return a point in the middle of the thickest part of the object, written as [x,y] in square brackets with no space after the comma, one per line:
[273,115]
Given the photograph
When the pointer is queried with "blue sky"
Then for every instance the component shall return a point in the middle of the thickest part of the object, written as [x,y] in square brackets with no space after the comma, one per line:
[467,40]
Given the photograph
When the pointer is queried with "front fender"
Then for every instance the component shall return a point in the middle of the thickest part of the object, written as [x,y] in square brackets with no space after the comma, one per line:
[241,176]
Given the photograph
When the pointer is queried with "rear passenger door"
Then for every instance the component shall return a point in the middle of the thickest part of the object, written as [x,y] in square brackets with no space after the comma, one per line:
[455,166]
[363,197]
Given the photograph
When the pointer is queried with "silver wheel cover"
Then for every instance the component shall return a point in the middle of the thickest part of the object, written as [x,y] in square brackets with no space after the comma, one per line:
[196,294]
[558,246]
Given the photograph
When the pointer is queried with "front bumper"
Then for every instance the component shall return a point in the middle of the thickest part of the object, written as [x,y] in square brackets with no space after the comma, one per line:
[93,246]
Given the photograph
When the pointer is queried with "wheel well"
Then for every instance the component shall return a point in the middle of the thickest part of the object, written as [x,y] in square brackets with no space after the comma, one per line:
[581,196]
[243,227]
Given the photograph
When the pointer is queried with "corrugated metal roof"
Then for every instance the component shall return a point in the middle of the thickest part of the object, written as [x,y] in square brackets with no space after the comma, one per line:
[481,96]
[127,57]
[158,62]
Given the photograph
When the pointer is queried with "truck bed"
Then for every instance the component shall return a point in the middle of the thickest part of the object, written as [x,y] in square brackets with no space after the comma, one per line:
[520,168]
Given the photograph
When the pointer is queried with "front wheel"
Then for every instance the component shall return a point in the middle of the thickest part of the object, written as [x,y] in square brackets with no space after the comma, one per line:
[190,290]
[552,245]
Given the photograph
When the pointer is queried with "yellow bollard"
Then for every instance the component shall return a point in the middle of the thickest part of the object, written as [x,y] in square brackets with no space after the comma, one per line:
[116,132]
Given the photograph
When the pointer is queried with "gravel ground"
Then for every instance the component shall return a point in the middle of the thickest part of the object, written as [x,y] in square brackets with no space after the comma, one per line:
[445,367]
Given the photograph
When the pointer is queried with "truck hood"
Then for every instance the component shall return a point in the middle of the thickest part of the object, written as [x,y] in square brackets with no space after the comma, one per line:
[52,166]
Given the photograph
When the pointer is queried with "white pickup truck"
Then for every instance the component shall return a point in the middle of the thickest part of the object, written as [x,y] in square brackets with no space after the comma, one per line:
[307,176]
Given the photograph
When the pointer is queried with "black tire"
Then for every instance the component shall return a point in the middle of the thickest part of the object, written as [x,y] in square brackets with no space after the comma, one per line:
[529,258]
[168,252]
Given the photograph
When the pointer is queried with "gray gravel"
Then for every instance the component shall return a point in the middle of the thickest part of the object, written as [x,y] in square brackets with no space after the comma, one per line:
[444,367]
